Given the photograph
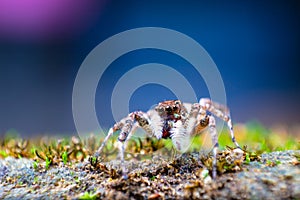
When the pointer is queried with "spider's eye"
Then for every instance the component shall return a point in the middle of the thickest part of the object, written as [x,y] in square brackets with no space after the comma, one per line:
[177,102]
[168,109]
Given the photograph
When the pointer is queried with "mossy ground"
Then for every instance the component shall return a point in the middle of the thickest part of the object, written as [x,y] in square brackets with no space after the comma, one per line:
[155,170]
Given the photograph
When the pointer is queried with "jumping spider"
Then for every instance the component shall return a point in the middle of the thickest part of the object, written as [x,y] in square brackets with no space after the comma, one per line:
[176,120]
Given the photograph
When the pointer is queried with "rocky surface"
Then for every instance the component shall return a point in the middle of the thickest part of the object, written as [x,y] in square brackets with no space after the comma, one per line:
[275,176]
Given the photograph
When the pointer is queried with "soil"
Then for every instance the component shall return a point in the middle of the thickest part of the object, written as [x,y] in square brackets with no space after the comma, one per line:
[274,175]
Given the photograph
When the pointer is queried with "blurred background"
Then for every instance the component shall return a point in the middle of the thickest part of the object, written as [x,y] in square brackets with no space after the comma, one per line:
[255,46]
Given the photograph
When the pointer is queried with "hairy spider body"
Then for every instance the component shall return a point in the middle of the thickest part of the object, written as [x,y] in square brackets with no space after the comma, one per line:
[175,120]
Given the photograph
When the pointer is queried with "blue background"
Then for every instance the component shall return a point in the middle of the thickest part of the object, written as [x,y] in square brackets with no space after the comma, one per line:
[255,45]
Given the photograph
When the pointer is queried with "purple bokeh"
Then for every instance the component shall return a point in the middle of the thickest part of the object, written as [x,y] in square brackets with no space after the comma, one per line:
[47,19]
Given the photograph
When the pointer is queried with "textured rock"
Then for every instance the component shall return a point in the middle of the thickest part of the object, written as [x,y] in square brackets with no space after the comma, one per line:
[275,176]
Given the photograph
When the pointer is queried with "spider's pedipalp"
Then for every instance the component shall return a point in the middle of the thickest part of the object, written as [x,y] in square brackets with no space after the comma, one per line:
[155,124]
[179,136]
[182,131]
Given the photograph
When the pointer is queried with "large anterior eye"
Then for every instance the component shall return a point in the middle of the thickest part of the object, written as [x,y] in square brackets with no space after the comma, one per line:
[168,109]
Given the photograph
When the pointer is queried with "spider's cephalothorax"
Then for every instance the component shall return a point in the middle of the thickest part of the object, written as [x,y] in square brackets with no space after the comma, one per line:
[169,109]
[176,120]
[170,112]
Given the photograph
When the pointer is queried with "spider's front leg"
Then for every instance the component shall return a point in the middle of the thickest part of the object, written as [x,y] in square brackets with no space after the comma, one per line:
[125,126]
[111,131]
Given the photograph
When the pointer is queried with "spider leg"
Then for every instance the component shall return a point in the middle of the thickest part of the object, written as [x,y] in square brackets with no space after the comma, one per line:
[134,120]
[194,124]
[221,112]
[115,128]
[123,136]
[127,126]
[214,137]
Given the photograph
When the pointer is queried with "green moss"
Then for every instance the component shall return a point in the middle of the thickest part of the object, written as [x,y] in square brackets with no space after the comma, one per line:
[35,165]
[48,162]
[3,153]
[64,157]
[88,196]
[247,159]
[153,178]
[36,178]
[258,139]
